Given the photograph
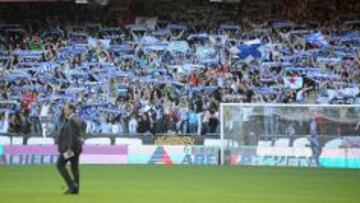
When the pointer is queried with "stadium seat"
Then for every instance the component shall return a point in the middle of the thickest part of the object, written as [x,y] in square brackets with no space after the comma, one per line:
[98,141]
[264,143]
[40,141]
[5,140]
[17,140]
[301,142]
[282,142]
[127,141]
[335,143]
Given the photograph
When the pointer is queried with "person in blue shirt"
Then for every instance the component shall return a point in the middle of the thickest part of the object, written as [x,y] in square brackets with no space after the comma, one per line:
[314,142]
[192,120]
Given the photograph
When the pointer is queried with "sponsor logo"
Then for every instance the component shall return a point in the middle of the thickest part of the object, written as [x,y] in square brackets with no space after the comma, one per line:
[174,140]
[273,156]
[30,159]
[297,161]
[200,159]
[160,156]
[201,156]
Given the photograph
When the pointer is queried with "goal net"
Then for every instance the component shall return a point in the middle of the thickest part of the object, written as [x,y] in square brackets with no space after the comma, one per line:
[290,135]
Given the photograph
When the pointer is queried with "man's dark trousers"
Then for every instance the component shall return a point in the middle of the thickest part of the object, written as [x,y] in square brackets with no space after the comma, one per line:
[74,162]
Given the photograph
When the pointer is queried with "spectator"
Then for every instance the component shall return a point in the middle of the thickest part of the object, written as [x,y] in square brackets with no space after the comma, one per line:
[143,124]
[4,122]
[117,128]
[213,122]
[133,125]
[192,120]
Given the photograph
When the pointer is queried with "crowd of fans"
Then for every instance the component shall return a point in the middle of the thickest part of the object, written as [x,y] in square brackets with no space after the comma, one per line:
[169,72]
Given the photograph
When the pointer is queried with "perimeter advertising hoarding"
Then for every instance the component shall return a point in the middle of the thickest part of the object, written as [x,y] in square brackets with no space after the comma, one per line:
[296,157]
[48,154]
[168,155]
[122,154]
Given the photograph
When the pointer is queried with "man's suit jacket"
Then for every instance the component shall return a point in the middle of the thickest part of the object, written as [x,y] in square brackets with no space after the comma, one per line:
[70,135]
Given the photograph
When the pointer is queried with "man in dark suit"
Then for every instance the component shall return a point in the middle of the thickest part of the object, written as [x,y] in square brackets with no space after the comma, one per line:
[70,147]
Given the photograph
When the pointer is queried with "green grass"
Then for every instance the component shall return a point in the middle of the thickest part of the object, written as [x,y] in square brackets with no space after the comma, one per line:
[158,184]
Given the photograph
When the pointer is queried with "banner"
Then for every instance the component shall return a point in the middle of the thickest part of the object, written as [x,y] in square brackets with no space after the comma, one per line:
[117,154]
[148,40]
[93,42]
[178,46]
[248,50]
[98,154]
[293,82]
[48,155]
[296,157]
[205,52]
[340,158]
[30,155]
[170,155]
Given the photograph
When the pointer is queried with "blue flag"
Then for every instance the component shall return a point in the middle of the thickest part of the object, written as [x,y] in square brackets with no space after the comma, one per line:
[248,50]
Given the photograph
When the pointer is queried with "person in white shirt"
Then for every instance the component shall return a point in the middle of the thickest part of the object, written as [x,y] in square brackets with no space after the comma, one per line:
[4,122]
[45,110]
[133,125]
[117,128]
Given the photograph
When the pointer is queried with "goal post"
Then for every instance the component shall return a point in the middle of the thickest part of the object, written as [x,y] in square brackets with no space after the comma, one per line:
[304,135]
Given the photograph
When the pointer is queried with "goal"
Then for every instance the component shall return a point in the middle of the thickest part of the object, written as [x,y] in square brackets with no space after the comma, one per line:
[290,135]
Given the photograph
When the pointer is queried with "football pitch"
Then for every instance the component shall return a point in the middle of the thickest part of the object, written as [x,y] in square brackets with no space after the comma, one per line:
[168,184]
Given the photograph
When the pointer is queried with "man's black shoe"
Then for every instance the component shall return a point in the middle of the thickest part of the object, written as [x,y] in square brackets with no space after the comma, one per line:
[69,192]
[76,190]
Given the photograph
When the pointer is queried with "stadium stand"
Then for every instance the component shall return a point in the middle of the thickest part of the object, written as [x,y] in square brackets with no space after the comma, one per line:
[169,72]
